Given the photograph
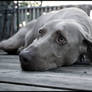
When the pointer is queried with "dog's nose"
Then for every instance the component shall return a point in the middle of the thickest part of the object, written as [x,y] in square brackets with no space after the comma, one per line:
[25,57]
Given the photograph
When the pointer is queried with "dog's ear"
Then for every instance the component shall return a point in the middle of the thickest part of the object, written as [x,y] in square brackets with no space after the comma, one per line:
[89,49]
[87,34]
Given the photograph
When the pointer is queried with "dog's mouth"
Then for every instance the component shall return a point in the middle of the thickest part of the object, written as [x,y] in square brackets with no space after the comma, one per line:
[26,67]
[38,67]
[33,65]
[33,62]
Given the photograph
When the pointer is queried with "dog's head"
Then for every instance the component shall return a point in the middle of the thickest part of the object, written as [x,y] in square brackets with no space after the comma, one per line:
[58,43]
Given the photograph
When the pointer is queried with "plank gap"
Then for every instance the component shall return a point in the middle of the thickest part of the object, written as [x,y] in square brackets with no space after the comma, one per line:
[34,85]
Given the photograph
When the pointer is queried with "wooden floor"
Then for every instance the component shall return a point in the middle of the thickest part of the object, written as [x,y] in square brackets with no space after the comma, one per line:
[12,78]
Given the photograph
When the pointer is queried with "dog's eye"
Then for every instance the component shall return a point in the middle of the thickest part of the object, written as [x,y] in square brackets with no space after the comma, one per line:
[60,39]
[42,32]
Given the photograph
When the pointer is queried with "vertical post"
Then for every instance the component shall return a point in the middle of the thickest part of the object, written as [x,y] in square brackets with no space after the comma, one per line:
[41,3]
[12,29]
[26,16]
[33,13]
[17,15]
[37,12]
[5,23]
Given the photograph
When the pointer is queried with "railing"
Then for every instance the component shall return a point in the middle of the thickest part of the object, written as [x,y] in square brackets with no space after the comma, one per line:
[27,14]
[19,17]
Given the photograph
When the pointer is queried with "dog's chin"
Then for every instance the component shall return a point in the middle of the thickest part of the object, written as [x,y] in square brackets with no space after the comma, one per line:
[29,68]
[26,68]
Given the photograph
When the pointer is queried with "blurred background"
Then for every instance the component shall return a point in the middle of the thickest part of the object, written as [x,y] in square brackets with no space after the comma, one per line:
[16,14]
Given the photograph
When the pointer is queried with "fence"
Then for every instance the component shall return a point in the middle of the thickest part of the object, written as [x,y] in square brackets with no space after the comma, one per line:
[27,14]
[12,20]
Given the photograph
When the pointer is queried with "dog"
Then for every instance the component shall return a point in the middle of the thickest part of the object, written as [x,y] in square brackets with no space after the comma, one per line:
[52,40]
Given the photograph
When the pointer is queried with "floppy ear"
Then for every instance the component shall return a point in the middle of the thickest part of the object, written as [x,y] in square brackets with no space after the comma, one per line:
[87,33]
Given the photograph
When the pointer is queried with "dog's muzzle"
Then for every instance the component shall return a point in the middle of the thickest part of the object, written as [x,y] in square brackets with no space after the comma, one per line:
[27,59]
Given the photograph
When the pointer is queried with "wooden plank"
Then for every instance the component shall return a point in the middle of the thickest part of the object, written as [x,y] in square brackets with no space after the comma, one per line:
[14,87]
[75,69]
[10,66]
[3,71]
[49,79]
[71,69]
[13,61]
[9,56]
[8,61]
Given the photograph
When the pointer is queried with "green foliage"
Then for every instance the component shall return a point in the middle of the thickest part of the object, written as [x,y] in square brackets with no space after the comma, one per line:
[29,3]
[23,4]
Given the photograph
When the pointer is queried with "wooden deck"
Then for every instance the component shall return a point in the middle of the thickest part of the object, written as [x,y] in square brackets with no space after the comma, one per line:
[12,78]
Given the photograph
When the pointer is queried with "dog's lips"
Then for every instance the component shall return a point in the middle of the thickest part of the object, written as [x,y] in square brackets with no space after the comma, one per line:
[26,68]
[24,65]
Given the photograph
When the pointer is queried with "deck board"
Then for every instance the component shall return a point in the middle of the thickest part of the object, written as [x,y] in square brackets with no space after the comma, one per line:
[49,79]
[14,87]
[75,77]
